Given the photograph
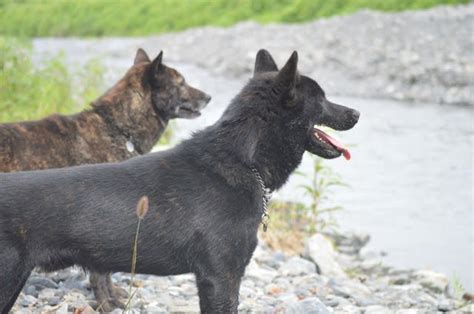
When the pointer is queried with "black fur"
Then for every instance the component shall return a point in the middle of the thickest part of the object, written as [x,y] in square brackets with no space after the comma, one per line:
[205,202]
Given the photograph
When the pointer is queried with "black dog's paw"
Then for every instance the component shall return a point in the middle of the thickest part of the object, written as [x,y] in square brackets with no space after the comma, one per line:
[108,305]
[117,292]
[108,295]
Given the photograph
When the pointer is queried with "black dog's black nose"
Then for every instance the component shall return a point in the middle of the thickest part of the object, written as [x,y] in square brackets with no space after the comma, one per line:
[354,116]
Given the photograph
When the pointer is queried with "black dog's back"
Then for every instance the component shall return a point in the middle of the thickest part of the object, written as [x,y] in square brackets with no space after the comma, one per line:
[86,215]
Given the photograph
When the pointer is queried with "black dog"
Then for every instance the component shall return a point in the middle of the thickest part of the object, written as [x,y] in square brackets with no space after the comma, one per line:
[206,195]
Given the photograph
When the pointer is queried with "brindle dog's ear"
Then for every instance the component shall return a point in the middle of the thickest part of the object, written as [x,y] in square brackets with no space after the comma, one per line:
[156,64]
[141,56]
[264,62]
[285,84]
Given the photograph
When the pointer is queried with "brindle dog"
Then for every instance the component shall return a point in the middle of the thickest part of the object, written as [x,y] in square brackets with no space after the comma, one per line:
[125,122]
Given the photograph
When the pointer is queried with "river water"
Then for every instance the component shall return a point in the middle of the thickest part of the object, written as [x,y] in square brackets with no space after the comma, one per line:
[410,176]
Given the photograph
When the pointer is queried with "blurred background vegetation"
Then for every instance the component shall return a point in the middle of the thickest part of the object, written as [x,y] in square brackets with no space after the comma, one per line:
[29,91]
[36,18]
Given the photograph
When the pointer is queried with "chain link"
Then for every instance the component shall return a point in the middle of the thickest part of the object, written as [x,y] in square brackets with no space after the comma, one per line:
[267,195]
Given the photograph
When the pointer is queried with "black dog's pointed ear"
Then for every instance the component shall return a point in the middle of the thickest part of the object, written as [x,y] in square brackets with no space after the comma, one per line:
[264,62]
[156,64]
[141,56]
[286,80]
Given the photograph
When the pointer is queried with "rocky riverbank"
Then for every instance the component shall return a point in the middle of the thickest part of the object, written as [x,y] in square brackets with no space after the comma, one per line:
[332,276]
[420,56]
[417,56]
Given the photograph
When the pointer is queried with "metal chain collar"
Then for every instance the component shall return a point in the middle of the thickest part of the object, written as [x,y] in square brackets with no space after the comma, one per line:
[267,195]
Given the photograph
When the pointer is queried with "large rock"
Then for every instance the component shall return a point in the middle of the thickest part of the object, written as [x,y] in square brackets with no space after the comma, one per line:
[434,281]
[321,251]
[349,242]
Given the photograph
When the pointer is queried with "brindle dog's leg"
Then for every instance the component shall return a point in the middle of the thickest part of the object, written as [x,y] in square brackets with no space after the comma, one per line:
[106,293]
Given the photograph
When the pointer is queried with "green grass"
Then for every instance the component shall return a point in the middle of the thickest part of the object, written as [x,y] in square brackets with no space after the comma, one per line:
[36,18]
[28,92]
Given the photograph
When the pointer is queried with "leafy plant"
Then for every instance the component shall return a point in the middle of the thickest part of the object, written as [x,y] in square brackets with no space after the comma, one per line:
[318,190]
[29,91]
[292,222]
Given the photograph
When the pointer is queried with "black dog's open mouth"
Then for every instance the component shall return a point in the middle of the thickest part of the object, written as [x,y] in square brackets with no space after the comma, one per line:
[326,146]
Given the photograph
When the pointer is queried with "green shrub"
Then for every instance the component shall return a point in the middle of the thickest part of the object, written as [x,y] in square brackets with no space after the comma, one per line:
[135,18]
[31,92]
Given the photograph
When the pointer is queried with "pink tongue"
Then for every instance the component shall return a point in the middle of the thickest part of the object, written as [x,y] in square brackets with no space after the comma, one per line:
[338,145]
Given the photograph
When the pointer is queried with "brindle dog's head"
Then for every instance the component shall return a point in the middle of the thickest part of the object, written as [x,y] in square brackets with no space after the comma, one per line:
[140,104]
[170,95]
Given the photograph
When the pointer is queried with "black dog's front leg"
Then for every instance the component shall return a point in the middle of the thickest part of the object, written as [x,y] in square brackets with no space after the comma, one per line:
[218,294]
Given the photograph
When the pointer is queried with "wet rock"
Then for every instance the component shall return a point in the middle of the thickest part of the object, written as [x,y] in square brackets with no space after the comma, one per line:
[321,251]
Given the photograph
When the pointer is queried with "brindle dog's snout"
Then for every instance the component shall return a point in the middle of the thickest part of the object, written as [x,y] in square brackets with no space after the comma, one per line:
[207,98]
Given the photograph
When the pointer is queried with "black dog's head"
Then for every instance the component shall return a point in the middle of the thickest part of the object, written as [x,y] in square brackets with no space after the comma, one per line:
[170,95]
[301,104]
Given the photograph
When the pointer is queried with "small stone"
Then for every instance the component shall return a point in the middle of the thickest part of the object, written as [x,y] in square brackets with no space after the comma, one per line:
[54,300]
[365,302]
[445,305]
[348,308]
[273,289]
[28,300]
[297,266]
[376,309]
[307,306]
[62,309]
[260,274]
[434,281]
[154,308]
[349,288]
[246,292]
[46,293]
[408,311]
[467,309]
[31,290]
[42,282]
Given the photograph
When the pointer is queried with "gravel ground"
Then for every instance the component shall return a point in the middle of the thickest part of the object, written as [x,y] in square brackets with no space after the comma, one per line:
[423,56]
[323,280]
